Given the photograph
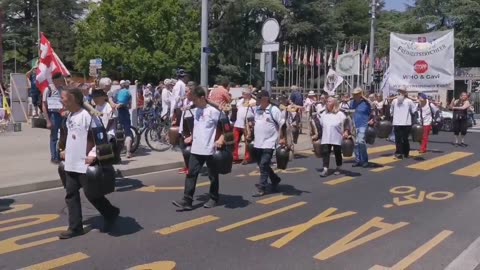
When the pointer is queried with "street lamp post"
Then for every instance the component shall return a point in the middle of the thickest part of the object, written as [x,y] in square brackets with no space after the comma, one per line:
[372,41]
[204,45]
[15,54]
[38,22]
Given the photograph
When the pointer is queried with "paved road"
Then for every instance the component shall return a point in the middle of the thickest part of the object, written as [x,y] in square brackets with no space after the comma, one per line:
[420,213]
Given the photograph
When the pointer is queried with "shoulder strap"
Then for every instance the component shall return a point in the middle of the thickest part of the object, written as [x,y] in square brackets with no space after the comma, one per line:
[271,115]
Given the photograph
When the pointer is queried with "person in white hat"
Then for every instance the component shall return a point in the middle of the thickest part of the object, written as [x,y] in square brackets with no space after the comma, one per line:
[402,109]
[166,98]
[362,119]
[309,102]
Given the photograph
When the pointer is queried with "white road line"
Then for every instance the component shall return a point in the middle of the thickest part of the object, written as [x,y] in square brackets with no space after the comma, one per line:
[469,259]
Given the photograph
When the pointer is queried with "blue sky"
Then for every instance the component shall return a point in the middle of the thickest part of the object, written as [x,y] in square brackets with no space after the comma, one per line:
[396,4]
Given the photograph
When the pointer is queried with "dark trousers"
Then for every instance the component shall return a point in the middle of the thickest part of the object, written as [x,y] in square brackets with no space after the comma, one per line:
[401,140]
[327,150]
[75,181]
[264,159]
[195,165]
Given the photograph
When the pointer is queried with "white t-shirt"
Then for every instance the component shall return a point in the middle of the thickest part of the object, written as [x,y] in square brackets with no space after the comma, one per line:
[186,113]
[267,127]
[320,108]
[166,101]
[402,112]
[178,93]
[205,122]
[308,104]
[332,127]
[106,111]
[244,112]
[427,116]
[78,125]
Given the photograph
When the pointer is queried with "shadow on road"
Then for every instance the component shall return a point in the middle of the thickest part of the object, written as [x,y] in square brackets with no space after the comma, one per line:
[5,204]
[123,226]
[127,184]
[228,201]
[289,190]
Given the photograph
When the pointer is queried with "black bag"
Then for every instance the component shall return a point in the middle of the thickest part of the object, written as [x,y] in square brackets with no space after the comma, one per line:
[100,181]
[104,148]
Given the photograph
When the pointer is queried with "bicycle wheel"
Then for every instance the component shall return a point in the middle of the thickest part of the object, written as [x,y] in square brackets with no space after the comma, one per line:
[157,138]
[135,139]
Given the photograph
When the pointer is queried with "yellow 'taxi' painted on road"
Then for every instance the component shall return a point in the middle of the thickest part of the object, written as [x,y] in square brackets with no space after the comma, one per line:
[439,161]
[260,217]
[187,225]
[273,199]
[417,254]
[469,171]
[10,244]
[56,263]
[155,188]
[295,231]
[392,159]
[350,240]
[382,169]
[162,265]
[35,219]
[340,180]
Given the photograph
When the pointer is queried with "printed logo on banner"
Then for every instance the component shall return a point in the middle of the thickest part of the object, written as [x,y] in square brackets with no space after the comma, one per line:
[421,67]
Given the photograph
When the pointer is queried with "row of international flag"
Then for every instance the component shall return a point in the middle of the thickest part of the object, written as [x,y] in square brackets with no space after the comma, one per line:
[298,55]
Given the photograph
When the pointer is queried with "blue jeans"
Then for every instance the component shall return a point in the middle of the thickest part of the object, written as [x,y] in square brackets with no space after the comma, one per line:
[361,155]
[264,159]
[56,120]
[125,121]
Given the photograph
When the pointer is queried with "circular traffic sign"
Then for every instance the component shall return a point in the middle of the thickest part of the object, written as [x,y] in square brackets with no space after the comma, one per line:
[270,30]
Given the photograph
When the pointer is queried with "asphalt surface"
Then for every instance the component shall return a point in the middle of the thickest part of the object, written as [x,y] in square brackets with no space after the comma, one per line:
[421,229]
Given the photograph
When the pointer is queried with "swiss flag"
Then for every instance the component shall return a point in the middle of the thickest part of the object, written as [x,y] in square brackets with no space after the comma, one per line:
[49,65]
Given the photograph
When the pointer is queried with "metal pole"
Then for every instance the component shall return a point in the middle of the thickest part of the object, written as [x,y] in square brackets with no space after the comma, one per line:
[15,54]
[1,45]
[204,43]
[372,41]
[38,22]
[268,72]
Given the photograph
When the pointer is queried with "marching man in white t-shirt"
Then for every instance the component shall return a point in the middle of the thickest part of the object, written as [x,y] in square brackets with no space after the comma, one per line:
[268,120]
[205,138]
[78,154]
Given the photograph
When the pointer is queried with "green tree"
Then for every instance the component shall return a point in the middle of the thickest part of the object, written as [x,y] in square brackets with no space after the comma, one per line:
[57,24]
[146,41]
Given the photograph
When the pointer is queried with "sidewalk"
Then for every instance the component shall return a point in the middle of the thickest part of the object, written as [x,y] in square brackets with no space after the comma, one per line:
[25,161]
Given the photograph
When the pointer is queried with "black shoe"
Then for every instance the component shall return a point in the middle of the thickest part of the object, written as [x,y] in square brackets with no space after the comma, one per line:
[399,156]
[210,204]
[275,183]
[70,234]
[110,221]
[183,204]
[55,161]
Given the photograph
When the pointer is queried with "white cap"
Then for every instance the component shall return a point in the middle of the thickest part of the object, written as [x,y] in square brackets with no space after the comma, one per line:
[149,85]
[122,82]
[167,81]
[311,93]
[104,82]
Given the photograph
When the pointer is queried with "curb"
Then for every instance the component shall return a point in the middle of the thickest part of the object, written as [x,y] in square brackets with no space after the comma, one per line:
[56,183]
[48,184]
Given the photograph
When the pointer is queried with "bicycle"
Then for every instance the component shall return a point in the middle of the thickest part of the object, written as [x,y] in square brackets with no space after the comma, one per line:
[155,129]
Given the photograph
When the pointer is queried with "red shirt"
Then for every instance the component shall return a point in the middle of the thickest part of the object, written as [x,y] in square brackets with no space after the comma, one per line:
[220,96]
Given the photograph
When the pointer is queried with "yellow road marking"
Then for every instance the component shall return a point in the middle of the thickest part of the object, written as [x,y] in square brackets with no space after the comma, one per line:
[10,244]
[162,265]
[187,225]
[17,208]
[392,159]
[417,254]
[293,232]
[339,180]
[382,169]
[260,217]
[273,199]
[36,219]
[439,161]
[350,240]
[155,188]
[370,151]
[469,171]
[287,171]
[62,261]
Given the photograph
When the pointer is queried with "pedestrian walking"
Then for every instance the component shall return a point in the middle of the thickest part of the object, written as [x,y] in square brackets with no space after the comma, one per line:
[460,121]
[268,120]
[361,119]
[206,137]
[335,128]
[79,154]
[402,108]
[427,112]
[245,112]
[52,107]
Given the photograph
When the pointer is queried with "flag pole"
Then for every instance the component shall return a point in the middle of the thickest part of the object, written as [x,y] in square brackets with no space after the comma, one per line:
[38,23]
